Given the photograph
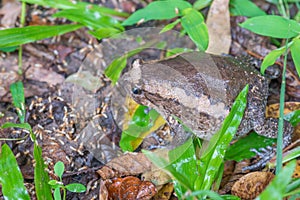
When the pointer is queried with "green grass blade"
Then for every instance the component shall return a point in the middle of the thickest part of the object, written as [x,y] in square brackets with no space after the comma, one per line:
[158,10]
[272,26]
[193,24]
[18,36]
[92,19]
[278,186]
[66,4]
[17,92]
[41,177]
[295,51]
[11,178]
[245,8]
[213,157]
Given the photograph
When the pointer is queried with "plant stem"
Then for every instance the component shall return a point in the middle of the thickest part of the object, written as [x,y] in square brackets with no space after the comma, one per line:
[22,22]
[281,113]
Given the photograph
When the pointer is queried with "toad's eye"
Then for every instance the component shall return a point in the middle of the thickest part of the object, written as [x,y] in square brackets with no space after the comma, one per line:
[136,91]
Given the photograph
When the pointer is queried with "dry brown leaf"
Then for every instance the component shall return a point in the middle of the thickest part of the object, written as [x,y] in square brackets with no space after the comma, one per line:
[218,24]
[273,109]
[10,10]
[125,165]
[252,184]
[130,187]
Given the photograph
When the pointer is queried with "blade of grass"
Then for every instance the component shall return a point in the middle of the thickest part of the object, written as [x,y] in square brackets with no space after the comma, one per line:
[18,36]
[17,92]
[66,4]
[213,157]
[11,178]
[41,177]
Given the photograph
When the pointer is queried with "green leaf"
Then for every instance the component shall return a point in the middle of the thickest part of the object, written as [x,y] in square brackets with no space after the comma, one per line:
[59,169]
[57,195]
[53,182]
[8,49]
[240,150]
[276,189]
[172,167]
[104,33]
[213,156]
[272,26]
[193,24]
[139,127]
[11,178]
[66,4]
[92,19]
[17,93]
[17,36]
[245,8]
[25,126]
[170,26]
[114,70]
[76,187]
[295,51]
[271,58]
[41,177]
[158,10]
[293,117]
[200,4]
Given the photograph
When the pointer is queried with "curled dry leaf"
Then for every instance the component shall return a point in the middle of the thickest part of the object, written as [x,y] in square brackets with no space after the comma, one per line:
[252,184]
[125,165]
[130,188]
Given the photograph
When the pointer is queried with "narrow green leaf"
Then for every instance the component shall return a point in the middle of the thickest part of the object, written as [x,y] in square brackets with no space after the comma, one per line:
[25,126]
[213,156]
[76,187]
[158,10]
[245,8]
[240,150]
[170,26]
[272,26]
[104,33]
[11,178]
[276,189]
[200,4]
[57,195]
[114,70]
[41,177]
[92,19]
[295,51]
[193,24]
[59,169]
[66,4]
[17,93]
[17,36]
[271,58]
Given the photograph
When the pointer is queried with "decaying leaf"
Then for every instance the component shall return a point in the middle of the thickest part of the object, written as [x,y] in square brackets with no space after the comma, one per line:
[130,187]
[125,165]
[10,10]
[252,184]
[218,24]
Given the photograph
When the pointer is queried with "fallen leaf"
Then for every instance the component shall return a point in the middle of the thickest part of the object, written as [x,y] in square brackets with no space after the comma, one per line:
[130,187]
[125,165]
[252,184]
[10,10]
[218,24]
